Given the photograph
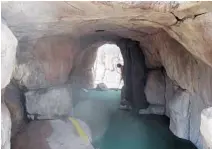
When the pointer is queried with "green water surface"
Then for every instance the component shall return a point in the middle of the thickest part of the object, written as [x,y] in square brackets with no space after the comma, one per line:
[127,130]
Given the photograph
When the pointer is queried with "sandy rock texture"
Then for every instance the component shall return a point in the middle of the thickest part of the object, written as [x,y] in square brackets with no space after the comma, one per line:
[5,127]
[173,35]
[179,114]
[8,52]
[14,100]
[155,88]
[47,134]
[50,103]
[45,62]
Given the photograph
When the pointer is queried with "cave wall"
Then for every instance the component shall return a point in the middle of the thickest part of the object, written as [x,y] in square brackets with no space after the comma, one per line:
[45,62]
[56,60]
[186,71]
[8,51]
[44,66]
[81,75]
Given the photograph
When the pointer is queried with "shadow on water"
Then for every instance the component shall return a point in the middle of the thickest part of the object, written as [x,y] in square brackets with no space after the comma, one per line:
[126,130]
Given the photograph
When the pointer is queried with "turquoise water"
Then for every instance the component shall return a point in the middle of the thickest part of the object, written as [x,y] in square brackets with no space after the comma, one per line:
[126,130]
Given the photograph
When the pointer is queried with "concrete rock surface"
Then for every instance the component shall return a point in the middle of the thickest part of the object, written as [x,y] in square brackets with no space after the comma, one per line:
[175,35]
[179,114]
[45,62]
[8,53]
[49,103]
[53,134]
[206,127]
[14,99]
[153,109]
[155,88]
[5,127]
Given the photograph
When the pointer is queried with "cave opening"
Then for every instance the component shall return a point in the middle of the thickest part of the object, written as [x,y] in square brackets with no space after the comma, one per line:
[105,68]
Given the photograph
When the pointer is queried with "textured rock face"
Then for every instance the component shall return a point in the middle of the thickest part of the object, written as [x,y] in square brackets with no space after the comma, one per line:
[153,109]
[49,103]
[170,89]
[195,34]
[82,75]
[53,134]
[187,72]
[5,127]
[14,101]
[206,127]
[155,88]
[179,114]
[8,51]
[187,22]
[45,62]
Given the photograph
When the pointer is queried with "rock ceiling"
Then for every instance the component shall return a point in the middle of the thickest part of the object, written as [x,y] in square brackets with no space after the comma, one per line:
[187,22]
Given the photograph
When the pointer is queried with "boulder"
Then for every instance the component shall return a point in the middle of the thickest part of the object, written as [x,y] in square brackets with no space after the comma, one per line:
[179,114]
[54,134]
[101,87]
[187,72]
[206,127]
[14,101]
[49,103]
[45,62]
[153,109]
[8,53]
[5,127]
[155,88]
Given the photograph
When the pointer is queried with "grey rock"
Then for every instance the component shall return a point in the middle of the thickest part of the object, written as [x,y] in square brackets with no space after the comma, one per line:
[153,109]
[101,87]
[5,127]
[170,89]
[14,101]
[179,114]
[45,62]
[8,53]
[49,103]
[155,88]
[206,127]
[54,134]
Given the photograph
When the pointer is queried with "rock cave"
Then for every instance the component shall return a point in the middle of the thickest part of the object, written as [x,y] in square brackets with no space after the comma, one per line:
[48,89]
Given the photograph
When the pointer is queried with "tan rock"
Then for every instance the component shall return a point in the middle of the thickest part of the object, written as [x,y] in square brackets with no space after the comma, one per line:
[195,35]
[45,63]
[14,101]
[53,134]
[5,127]
[155,88]
[50,103]
[179,114]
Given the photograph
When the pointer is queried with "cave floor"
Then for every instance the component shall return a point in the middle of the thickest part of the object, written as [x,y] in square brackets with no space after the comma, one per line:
[129,131]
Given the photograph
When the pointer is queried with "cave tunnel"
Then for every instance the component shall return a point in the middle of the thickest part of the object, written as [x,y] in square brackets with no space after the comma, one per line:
[53,99]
